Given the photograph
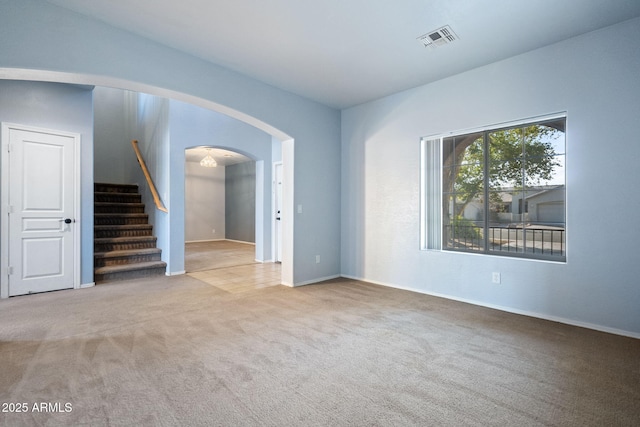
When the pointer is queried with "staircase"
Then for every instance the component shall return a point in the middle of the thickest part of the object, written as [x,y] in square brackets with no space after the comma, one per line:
[124,246]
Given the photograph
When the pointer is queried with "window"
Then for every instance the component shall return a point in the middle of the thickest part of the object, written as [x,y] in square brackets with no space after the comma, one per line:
[497,191]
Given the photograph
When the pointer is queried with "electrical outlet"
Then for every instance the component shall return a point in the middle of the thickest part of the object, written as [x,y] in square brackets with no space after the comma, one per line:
[495,277]
[213,231]
[317,259]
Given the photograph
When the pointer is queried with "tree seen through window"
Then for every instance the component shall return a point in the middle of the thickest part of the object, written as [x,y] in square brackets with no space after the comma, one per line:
[504,191]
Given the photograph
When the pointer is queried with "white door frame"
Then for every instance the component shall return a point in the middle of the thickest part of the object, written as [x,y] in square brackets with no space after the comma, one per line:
[4,200]
[276,240]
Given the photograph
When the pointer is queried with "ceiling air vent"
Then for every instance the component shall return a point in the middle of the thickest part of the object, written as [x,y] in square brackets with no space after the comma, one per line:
[438,37]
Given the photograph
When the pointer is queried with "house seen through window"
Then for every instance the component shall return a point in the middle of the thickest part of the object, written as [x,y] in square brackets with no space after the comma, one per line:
[501,191]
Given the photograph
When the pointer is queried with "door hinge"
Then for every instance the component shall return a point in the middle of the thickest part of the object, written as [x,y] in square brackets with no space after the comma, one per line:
[9,271]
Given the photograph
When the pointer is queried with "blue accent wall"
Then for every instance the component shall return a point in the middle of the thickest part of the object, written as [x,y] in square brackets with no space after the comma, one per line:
[240,202]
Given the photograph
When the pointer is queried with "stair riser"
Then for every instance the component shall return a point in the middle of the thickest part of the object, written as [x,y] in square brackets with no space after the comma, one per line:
[116,209]
[127,275]
[108,247]
[122,220]
[114,188]
[120,205]
[106,262]
[117,198]
[103,234]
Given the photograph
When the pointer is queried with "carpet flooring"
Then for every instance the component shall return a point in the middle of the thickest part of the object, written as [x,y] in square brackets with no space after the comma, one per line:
[176,351]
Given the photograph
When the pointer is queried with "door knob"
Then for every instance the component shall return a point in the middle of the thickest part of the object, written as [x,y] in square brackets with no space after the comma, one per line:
[67,221]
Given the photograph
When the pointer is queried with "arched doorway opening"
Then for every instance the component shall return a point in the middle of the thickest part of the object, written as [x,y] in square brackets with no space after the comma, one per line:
[227,217]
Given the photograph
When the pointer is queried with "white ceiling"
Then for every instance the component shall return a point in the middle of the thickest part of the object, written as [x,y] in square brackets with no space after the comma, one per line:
[345,52]
[222,157]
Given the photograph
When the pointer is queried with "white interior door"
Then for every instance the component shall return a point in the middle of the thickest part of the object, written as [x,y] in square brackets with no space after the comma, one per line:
[41,207]
[278,222]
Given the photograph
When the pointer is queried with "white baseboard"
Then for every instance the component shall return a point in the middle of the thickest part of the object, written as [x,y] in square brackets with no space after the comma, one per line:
[240,241]
[87,285]
[175,273]
[318,280]
[537,315]
[220,240]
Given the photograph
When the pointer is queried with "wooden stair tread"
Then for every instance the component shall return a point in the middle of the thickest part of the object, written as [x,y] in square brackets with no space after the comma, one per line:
[130,267]
[127,252]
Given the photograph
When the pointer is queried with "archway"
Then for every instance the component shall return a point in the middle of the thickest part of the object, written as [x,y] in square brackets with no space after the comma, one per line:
[174,231]
[224,199]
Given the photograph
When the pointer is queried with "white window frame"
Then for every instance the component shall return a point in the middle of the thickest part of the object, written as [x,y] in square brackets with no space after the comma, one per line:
[431,190]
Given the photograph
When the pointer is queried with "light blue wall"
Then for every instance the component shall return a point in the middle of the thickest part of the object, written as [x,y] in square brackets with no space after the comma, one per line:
[240,202]
[60,44]
[192,126]
[151,128]
[114,158]
[595,79]
[204,202]
[66,108]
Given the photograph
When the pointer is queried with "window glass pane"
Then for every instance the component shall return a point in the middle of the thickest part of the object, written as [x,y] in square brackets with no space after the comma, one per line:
[554,134]
[463,223]
[448,177]
[545,220]
[552,175]
[469,149]
[542,147]
[545,191]
[463,149]
[448,152]
[469,179]
[510,184]
[501,208]
[506,156]
[509,238]
[463,188]
[506,220]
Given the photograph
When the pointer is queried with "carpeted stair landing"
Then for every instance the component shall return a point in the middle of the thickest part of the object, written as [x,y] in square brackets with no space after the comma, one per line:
[124,245]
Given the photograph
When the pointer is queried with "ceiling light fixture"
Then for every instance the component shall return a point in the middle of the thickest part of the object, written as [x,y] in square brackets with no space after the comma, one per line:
[208,161]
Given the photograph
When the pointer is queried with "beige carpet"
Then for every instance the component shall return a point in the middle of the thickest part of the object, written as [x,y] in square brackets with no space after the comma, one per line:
[175,351]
